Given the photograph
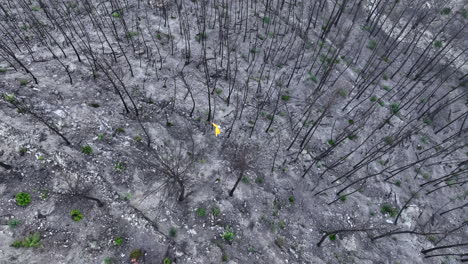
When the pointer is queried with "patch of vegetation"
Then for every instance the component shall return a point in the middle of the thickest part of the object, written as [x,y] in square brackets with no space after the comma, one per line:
[331,142]
[427,120]
[332,237]
[343,198]
[219,91]
[446,11]
[167,261]
[117,14]
[138,138]
[200,36]
[169,124]
[312,77]
[388,209]
[35,8]
[245,180]
[9,97]
[87,150]
[132,34]
[266,20]
[95,105]
[119,130]
[343,93]
[119,166]
[173,232]
[398,183]
[216,211]
[438,44]
[373,98]
[118,241]
[282,224]
[23,199]
[372,44]
[259,180]
[33,240]
[108,260]
[291,199]
[23,82]
[388,140]
[136,254]
[285,97]
[13,223]
[224,258]
[395,108]
[279,241]
[201,212]
[228,235]
[76,215]
[350,121]
[386,88]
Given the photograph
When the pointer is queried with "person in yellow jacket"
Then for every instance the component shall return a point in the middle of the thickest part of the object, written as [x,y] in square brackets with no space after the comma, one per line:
[217,129]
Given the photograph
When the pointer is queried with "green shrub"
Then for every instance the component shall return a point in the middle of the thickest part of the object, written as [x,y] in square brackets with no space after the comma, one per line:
[388,209]
[291,199]
[119,166]
[167,261]
[279,241]
[118,241]
[228,235]
[13,223]
[23,199]
[76,215]
[200,36]
[332,237]
[285,97]
[138,138]
[216,211]
[201,212]
[373,98]
[245,180]
[438,44]
[446,11]
[132,34]
[33,240]
[372,44]
[87,150]
[395,108]
[94,105]
[23,82]
[117,14]
[119,130]
[282,224]
[224,258]
[343,93]
[388,140]
[343,198]
[136,254]
[108,260]
[173,232]
[259,180]
[331,142]
[9,97]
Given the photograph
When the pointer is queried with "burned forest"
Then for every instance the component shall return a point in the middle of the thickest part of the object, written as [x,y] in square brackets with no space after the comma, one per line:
[233,131]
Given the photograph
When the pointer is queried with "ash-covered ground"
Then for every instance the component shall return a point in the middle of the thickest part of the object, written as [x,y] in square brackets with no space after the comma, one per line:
[343,131]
